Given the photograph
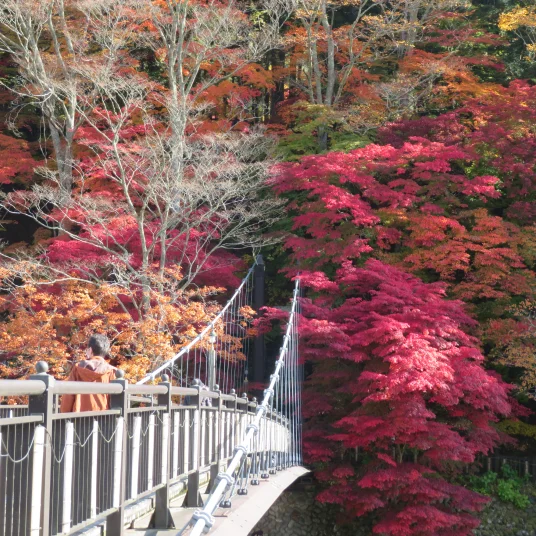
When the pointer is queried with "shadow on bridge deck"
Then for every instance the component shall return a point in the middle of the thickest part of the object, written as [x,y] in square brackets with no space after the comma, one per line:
[240,519]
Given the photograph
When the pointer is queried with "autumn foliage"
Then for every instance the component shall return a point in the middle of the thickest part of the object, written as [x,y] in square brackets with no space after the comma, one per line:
[149,146]
[394,362]
[399,382]
[417,253]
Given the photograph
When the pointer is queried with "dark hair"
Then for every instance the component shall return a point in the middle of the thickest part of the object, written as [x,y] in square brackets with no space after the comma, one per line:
[99,344]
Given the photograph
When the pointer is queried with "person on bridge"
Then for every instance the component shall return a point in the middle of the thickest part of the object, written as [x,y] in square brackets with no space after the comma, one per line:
[92,369]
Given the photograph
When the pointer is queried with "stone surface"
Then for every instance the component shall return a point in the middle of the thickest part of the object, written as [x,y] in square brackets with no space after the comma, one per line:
[502,519]
[296,513]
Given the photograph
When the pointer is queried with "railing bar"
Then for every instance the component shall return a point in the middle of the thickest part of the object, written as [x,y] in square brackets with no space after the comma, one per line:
[21,387]
[9,484]
[141,399]
[186,435]
[104,467]
[136,389]
[67,477]
[135,455]
[21,420]
[88,522]
[17,443]
[165,438]
[143,494]
[150,452]
[25,518]
[24,444]
[145,410]
[94,461]
[80,415]
[175,444]
[118,456]
[81,470]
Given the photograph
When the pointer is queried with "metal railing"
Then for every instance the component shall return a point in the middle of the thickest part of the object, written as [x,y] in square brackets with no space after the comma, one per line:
[61,472]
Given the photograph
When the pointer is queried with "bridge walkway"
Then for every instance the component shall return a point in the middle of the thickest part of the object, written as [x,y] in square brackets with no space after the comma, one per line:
[239,520]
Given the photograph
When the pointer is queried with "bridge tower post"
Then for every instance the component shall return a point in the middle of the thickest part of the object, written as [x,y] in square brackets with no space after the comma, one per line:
[162,518]
[43,404]
[193,497]
[115,522]
[259,350]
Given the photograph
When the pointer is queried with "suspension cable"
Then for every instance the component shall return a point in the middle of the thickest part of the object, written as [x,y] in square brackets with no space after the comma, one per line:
[205,334]
[286,370]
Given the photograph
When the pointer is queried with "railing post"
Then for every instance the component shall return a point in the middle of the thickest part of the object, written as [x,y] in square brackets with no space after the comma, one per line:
[256,447]
[162,516]
[43,405]
[227,430]
[193,497]
[115,522]
[215,466]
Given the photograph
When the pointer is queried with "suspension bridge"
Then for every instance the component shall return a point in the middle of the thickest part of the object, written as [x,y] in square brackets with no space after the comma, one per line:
[182,452]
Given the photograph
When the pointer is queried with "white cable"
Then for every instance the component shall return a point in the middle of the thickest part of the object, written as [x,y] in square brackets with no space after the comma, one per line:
[208,328]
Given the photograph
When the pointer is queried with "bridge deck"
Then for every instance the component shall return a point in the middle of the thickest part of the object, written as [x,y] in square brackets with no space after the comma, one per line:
[246,511]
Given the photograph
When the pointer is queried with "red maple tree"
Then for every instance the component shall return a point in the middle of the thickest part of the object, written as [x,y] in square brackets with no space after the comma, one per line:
[399,385]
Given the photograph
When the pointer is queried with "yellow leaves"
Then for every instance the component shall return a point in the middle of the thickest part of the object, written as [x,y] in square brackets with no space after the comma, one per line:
[519,428]
[522,356]
[518,17]
[531,49]
[247,312]
[522,21]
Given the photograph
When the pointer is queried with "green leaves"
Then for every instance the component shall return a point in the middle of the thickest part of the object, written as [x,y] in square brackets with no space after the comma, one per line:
[507,486]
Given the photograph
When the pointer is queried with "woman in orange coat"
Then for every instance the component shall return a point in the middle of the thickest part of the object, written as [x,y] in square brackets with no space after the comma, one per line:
[93,369]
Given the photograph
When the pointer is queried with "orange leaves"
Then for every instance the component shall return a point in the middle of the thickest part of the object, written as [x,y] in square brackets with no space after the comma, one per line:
[256,75]
[16,164]
[514,341]
[454,80]
[231,97]
[54,322]
[477,252]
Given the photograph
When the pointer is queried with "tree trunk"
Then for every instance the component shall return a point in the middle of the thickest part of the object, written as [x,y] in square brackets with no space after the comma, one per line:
[323,138]
[278,93]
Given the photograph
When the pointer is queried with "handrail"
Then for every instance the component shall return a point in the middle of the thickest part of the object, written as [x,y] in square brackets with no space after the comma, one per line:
[151,376]
[183,391]
[136,389]
[21,387]
[81,414]
[38,387]
[11,421]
